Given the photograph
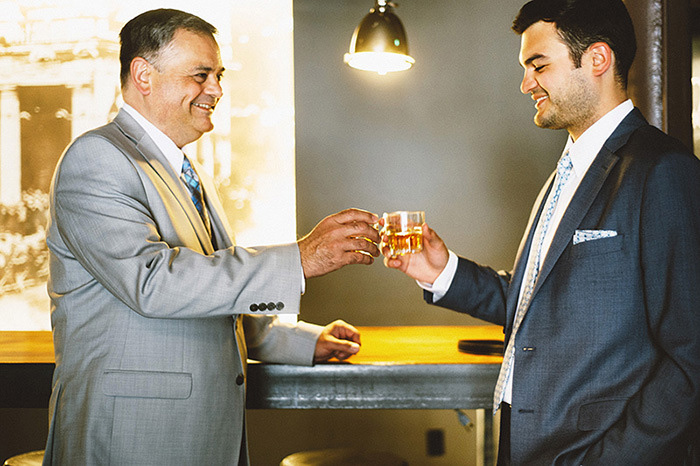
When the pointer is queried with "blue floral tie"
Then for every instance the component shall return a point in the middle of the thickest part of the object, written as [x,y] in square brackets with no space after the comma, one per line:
[564,168]
[191,180]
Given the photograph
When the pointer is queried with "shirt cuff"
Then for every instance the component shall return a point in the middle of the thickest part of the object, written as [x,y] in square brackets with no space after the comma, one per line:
[443,282]
[303,279]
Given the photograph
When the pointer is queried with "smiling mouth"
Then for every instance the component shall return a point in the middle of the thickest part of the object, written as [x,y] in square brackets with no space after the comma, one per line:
[539,100]
[207,107]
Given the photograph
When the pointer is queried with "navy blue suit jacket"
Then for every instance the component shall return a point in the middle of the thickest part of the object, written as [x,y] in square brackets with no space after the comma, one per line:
[607,362]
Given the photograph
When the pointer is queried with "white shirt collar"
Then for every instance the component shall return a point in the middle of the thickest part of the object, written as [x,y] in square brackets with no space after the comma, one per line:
[587,146]
[172,153]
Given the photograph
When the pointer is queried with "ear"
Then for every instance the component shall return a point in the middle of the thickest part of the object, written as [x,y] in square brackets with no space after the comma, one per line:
[601,58]
[140,76]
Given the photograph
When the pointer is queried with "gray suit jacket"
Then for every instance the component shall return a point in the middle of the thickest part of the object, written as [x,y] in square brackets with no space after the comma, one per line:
[607,361]
[150,352]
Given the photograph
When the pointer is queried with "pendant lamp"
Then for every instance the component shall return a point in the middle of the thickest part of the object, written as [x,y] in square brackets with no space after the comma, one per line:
[379,42]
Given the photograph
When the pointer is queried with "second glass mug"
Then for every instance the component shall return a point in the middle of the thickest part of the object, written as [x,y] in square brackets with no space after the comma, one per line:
[403,231]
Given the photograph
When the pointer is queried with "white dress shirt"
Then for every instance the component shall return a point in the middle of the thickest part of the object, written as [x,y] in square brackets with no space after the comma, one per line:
[582,152]
[172,153]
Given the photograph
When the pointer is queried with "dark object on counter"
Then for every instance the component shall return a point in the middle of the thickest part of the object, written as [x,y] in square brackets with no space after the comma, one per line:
[483,347]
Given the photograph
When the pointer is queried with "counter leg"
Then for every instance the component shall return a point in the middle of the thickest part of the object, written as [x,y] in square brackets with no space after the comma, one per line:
[485,444]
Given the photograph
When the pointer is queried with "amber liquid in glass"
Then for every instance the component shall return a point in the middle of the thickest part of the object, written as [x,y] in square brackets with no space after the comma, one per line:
[404,242]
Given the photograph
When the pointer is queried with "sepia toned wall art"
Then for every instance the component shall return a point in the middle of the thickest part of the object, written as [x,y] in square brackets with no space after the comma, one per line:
[59,77]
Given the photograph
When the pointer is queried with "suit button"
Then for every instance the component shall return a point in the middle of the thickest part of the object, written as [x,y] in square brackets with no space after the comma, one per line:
[262,306]
[271,306]
[280,306]
[240,379]
[253,307]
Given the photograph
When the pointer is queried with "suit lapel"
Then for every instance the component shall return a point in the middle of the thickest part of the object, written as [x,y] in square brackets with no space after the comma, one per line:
[580,203]
[587,191]
[156,160]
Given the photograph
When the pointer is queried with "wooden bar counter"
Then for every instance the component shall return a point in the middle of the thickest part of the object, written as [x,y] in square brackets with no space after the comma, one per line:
[400,365]
[397,368]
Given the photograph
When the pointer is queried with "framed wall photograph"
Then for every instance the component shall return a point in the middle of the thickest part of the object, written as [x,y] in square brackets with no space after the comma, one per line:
[59,77]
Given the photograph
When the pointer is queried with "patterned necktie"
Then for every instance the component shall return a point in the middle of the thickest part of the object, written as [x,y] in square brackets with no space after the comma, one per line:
[564,168]
[191,180]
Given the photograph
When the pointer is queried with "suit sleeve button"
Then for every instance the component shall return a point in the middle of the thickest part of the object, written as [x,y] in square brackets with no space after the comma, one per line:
[253,307]
[280,306]
[240,379]
[262,306]
[271,306]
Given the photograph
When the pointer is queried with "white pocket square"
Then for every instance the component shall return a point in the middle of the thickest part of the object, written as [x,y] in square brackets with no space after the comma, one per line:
[589,235]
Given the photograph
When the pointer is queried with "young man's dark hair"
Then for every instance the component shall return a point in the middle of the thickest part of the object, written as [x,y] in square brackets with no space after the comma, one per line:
[581,23]
[148,33]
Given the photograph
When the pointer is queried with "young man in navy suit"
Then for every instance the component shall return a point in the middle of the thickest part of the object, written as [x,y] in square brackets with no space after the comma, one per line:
[601,312]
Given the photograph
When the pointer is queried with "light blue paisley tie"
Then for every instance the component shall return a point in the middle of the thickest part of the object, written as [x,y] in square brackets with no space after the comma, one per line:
[564,168]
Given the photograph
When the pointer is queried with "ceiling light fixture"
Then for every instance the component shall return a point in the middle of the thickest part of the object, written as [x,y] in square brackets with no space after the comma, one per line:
[379,42]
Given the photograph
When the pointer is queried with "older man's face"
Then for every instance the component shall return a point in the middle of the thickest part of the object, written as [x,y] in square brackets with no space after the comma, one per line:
[185,87]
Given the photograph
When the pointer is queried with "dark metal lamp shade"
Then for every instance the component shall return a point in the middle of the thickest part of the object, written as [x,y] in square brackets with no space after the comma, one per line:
[379,42]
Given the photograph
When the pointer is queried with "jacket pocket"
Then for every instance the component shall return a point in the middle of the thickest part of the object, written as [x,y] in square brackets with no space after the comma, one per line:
[598,246]
[147,384]
[600,415]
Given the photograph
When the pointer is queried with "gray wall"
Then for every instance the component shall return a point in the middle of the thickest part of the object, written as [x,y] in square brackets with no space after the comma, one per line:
[452,136]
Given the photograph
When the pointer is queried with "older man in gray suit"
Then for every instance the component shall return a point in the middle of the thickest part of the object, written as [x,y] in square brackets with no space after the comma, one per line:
[153,306]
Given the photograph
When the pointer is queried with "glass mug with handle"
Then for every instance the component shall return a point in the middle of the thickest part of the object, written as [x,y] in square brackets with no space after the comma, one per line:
[403,232]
